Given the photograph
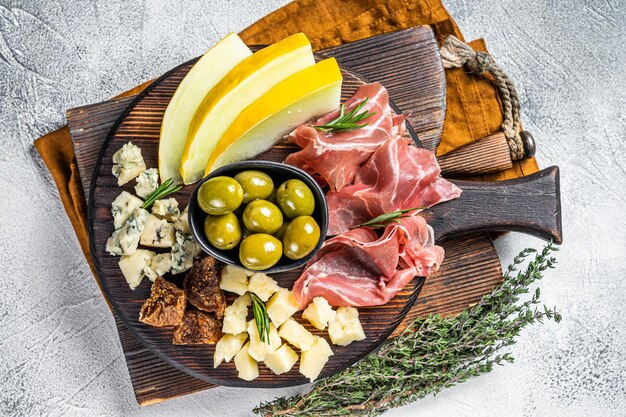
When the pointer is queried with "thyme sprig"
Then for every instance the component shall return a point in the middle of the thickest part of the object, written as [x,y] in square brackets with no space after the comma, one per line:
[386,219]
[167,188]
[433,353]
[345,122]
[261,318]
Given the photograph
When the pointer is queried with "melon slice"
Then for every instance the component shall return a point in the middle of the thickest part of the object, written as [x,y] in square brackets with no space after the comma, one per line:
[242,86]
[203,76]
[312,92]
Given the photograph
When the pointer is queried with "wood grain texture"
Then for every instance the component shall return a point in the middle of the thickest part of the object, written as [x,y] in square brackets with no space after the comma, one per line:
[484,156]
[459,283]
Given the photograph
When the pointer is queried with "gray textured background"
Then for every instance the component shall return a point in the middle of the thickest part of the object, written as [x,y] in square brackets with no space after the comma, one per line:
[59,351]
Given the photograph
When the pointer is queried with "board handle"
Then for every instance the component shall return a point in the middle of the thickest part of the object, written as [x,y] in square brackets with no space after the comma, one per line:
[484,156]
[530,204]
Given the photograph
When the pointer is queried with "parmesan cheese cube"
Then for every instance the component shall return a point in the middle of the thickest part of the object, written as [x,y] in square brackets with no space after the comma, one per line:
[134,267]
[227,347]
[281,360]
[262,285]
[319,313]
[259,350]
[345,328]
[127,163]
[122,207]
[235,315]
[281,306]
[296,334]
[234,279]
[166,208]
[158,233]
[246,366]
[313,360]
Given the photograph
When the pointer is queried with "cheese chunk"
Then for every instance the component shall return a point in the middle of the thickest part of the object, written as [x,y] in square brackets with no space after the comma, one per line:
[296,334]
[134,267]
[127,163]
[281,360]
[227,347]
[246,366]
[262,285]
[161,264]
[182,222]
[158,233]
[259,350]
[281,306]
[183,252]
[122,207]
[166,208]
[313,360]
[319,313]
[147,182]
[235,315]
[124,241]
[345,328]
[234,279]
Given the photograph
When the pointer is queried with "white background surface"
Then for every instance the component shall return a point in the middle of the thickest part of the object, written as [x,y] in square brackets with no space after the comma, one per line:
[59,351]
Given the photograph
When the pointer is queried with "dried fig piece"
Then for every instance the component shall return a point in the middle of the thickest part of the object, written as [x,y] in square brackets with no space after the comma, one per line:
[166,305]
[197,328]
[202,286]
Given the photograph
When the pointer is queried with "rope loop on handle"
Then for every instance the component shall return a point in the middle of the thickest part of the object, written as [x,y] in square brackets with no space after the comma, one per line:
[457,54]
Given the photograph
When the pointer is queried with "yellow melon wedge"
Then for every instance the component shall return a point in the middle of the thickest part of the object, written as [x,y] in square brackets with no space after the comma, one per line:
[203,76]
[305,95]
[242,86]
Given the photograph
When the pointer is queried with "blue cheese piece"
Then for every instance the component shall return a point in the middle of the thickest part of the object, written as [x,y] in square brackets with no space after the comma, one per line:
[125,240]
[136,266]
[158,233]
[183,252]
[182,222]
[166,208]
[162,264]
[127,163]
[123,206]
[147,182]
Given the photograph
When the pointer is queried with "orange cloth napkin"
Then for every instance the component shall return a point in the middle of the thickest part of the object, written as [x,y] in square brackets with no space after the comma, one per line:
[473,108]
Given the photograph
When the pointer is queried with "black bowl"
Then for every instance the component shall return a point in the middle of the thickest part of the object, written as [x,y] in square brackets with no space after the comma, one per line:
[279,173]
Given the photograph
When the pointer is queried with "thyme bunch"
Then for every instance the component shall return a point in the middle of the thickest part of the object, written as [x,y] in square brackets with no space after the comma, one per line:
[433,353]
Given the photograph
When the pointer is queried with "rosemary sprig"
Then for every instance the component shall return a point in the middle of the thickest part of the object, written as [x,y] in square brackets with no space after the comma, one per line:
[433,353]
[167,188]
[345,122]
[261,318]
[387,218]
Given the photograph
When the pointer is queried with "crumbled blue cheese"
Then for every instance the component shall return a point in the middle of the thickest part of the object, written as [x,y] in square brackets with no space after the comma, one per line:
[147,182]
[182,222]
[122,207]
[183,252]
[166,208]
[161,264]
[125,240]
[127,163]
[137,265]
[158,233]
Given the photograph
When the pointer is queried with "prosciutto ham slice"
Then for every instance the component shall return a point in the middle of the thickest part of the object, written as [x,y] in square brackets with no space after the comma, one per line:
[397,176]
[358,268]
[335,157]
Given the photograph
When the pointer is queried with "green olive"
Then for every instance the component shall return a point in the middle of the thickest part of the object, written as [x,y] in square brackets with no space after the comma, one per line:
[260,251]
[261,216]
[224,231]
[295,199]
[300,238]
[256,185]
[220,195]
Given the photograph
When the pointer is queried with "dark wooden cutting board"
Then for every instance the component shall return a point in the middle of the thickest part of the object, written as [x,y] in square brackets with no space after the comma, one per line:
[442,294]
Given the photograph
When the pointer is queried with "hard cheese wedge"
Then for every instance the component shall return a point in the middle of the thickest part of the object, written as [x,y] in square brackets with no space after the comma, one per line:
[242,86]
[312,92]
[202,77]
